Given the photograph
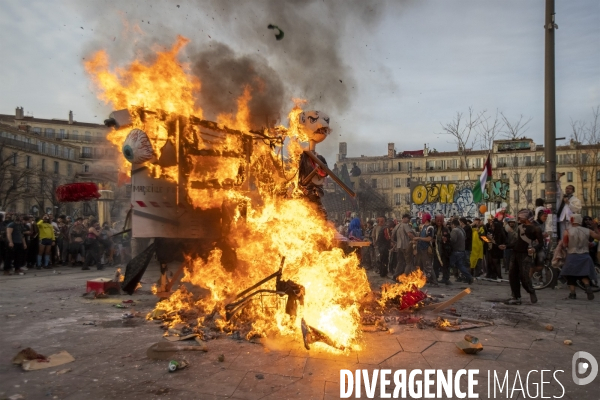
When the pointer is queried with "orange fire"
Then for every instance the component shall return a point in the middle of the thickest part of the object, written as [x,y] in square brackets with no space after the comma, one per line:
[407,283]
[280,223]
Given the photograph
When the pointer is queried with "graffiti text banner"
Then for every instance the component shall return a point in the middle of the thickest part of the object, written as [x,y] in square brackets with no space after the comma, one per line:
[454,198]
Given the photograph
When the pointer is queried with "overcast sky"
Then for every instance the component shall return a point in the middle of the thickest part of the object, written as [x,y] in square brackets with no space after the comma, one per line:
[407,70]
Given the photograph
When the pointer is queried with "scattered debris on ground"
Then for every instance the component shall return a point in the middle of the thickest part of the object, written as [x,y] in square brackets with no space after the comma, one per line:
[470,345]
[30,360]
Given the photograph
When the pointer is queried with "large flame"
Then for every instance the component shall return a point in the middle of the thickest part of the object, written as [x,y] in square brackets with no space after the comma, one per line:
[278,224]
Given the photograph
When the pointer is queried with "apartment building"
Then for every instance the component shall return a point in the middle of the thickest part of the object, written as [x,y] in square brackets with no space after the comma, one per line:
[49,141]
[94,150]
[31,167]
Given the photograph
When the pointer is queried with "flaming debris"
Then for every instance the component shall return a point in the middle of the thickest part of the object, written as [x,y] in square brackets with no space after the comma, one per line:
[270,218]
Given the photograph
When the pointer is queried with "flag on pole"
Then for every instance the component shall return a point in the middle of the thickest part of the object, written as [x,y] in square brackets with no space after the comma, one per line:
[480,186]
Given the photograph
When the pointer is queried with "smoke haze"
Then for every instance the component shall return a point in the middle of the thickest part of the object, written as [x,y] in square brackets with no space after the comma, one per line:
[231,48]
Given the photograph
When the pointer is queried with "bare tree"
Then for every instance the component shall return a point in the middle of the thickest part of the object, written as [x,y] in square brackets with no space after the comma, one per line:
[521,164]
[489,129]
[15,177]
[585,140]
[46,196]
[464,131]
[515,130]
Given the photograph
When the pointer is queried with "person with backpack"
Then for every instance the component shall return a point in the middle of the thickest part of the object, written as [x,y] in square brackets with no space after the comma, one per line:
[424,243]
[529,241]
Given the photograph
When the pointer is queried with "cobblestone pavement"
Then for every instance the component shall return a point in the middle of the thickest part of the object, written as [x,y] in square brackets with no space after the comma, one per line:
[45,311]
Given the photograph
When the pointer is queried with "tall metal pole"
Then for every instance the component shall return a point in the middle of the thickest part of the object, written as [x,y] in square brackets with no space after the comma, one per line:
[550,112]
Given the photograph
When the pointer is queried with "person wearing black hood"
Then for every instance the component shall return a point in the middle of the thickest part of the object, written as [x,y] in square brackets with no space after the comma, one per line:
[529,242]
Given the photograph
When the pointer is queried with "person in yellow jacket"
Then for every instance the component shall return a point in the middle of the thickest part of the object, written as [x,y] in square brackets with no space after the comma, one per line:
[477,248]
[47,240]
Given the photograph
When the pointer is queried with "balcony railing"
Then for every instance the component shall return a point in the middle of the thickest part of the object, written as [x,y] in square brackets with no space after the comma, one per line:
[98,156]
[84,138]
[19,144]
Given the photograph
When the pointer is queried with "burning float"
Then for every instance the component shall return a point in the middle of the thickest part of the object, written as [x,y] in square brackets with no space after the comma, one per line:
[242,206]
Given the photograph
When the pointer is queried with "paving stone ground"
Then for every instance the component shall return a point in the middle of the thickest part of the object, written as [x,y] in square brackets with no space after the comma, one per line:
[45,311]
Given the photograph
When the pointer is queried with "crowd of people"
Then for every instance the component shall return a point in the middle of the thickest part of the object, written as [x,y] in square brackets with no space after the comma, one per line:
[27,242]
[463,248]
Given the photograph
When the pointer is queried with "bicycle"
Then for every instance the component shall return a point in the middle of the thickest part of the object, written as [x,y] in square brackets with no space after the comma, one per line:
[547,277]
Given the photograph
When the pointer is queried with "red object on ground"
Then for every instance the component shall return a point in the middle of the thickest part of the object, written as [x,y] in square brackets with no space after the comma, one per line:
[411,298]
[81,191]
[102,285]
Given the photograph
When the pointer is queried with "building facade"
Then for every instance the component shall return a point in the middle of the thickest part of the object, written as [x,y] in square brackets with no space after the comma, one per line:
[31,167]
[520,163]
[49,141]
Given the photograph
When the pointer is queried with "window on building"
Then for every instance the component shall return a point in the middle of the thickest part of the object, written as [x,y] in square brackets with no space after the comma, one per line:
[585,194]
[397,182]
[74,135]
[598,194]
[516,195]
[43,164]
[542,177]
[443,179]
[504,175]
[478,162]
[542,194]
[515,161]
[584,176]
[569,177]
[49,132]
[61,134]
[431,178]
[28,162]
[529,178]
[43,148]
[583,158]
[598,175]
[386,183]
[69,169]
[15,159]
[86,152]
[455,164]
[408,182]
[88,136]
[397,199]
[37,130]
[399,166]
[407,198]
[529,196]
[26,183]
[516,178]
[385,166]
[374,183]
[56,167]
